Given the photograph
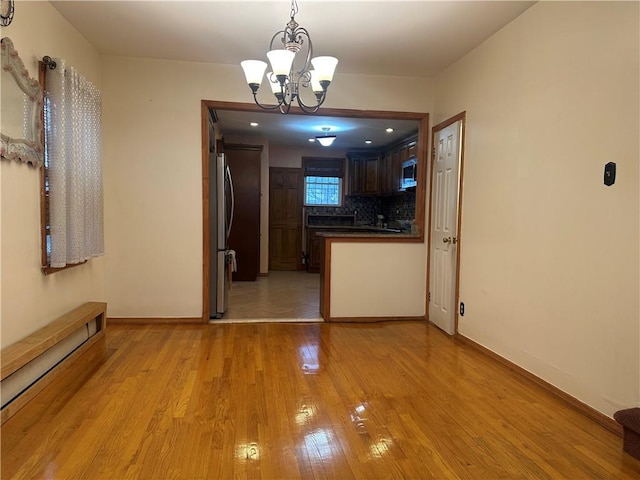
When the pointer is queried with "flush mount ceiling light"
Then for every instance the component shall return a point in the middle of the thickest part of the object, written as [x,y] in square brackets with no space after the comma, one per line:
[326,140]
[286,79]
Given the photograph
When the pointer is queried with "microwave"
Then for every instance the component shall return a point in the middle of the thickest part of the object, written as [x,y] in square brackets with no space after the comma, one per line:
[409,174]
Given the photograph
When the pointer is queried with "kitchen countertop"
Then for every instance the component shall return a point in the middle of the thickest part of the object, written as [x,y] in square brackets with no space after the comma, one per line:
[364,232]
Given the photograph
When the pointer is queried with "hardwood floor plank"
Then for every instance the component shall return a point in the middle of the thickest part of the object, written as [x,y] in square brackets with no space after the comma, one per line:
[312,400]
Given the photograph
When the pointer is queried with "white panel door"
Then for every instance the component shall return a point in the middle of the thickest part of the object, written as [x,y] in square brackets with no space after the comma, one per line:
[444,225]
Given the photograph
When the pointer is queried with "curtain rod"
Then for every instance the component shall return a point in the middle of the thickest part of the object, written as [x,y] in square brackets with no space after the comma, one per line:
[49,62]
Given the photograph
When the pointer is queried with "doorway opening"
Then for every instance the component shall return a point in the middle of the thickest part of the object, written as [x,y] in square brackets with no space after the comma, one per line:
[420,120]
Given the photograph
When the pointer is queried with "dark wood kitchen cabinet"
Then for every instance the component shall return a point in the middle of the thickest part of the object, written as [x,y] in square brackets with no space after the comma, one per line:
[315,247]
[245,162]
[379,172]
[364,174]
[390,173]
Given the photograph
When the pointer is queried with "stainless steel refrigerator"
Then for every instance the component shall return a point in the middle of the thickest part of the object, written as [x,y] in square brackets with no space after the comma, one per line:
[221,206]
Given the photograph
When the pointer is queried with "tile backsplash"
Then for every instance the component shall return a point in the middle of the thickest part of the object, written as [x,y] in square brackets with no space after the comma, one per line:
[366,209]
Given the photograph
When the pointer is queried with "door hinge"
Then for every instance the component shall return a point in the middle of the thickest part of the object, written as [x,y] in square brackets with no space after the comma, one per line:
[429,296]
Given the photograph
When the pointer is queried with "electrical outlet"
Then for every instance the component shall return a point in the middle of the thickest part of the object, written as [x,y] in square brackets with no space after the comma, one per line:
[462,309]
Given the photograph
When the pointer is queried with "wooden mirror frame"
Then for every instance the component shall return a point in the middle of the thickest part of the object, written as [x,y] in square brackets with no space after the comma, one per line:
[30,149]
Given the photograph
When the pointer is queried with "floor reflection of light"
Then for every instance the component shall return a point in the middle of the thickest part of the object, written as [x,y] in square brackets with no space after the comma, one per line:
[319,443]
[248,451]
[50,471]
[380,448]
[304,415]
[309,358]
[357,416]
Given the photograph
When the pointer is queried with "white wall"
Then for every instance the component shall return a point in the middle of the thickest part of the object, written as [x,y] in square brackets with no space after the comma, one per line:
[378,280]
[153,174]
[549,256]
[29,300]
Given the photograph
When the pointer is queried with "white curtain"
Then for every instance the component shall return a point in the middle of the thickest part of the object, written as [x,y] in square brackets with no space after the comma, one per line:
[74,157]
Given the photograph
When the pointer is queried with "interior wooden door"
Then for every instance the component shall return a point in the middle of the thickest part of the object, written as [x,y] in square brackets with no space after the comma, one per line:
[285,218]
[444,227]
[244,163]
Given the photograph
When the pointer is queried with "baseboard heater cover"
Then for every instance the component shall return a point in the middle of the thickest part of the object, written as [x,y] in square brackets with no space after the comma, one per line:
[23,378]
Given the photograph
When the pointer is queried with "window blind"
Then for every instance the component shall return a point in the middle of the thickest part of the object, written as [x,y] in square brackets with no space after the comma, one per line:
[323,167]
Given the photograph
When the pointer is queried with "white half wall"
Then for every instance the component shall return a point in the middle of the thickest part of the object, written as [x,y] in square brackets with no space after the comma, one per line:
[378,280]
[29,300]
[549,255]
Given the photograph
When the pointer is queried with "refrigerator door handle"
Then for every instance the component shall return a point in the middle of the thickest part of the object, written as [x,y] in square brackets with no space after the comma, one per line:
[233,202]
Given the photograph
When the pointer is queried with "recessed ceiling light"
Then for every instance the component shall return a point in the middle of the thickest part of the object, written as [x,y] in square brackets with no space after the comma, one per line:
[254,124]
[389,130]
[367,142]
[312,139]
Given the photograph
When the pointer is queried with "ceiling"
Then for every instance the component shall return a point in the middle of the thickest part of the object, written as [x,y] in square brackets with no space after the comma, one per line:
[404,38]
[295,130]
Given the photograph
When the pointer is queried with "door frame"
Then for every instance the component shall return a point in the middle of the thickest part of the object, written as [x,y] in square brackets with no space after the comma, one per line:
[205,105]
[462,117]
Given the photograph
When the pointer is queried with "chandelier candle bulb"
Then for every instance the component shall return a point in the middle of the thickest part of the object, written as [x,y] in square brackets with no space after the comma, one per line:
[281,61]
[315,82]
[324,66]
[253,71]
[274,84]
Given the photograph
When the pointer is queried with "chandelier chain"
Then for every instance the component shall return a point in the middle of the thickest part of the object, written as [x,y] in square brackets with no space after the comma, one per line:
[294,8]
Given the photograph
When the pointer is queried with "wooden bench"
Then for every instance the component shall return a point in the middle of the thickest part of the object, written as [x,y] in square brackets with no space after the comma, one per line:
[80,360]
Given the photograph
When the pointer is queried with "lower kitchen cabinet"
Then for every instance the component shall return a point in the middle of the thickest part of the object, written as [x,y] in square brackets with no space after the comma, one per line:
[315,249]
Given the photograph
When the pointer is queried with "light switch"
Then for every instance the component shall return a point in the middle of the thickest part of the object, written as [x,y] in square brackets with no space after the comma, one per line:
[609,174]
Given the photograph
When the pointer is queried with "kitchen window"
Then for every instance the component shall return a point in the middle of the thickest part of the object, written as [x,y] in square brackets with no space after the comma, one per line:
[323,191]
[323,181]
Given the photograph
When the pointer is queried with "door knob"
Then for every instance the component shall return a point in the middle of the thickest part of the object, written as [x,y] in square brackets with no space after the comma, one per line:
[446,240]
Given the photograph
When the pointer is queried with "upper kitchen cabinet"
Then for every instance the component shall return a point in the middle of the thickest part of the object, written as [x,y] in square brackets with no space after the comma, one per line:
[364,173]
[379,172]
[391,170]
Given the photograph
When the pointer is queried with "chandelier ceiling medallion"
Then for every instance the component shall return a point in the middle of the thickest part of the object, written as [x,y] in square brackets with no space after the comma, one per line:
[285,78]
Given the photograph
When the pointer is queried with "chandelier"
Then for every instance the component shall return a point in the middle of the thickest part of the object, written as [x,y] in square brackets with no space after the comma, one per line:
[285,78]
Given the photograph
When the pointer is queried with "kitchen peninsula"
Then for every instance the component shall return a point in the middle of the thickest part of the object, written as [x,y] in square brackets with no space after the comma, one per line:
[358,264]
[370,250]
[319,226]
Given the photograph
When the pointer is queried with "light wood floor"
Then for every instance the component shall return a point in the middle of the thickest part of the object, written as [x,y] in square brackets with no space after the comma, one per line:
[280,296]
[335,401]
